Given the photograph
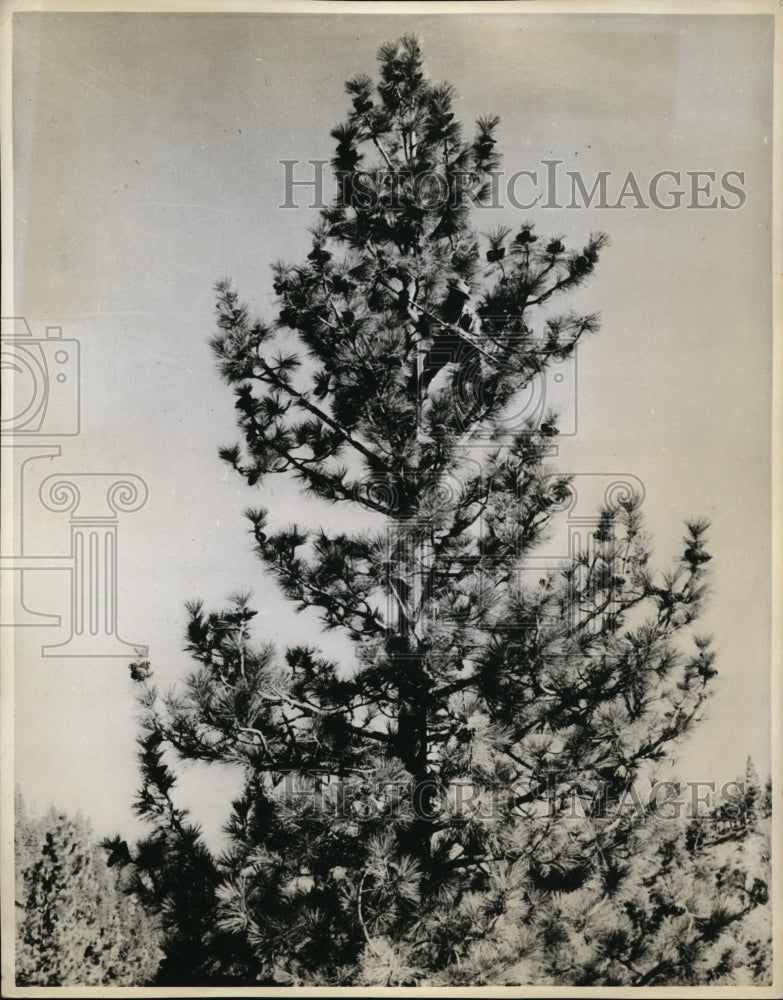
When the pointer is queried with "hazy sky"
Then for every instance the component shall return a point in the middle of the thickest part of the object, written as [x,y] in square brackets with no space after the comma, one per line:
[147,153]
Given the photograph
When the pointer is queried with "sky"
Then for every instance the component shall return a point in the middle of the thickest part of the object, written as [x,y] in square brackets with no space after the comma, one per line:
[147,153]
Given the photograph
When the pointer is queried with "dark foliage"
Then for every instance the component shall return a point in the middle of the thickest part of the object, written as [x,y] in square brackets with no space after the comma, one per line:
[407,818]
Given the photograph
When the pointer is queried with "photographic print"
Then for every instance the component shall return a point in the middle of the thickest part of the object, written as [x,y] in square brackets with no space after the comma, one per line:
[388,558]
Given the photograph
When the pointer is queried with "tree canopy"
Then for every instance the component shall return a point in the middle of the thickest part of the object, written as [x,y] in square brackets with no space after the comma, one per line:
[408,815]
[74,924]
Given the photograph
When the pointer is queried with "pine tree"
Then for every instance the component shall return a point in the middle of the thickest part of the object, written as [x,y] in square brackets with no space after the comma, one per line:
[766,799]
[408,817]
[74,925]
[752,801]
